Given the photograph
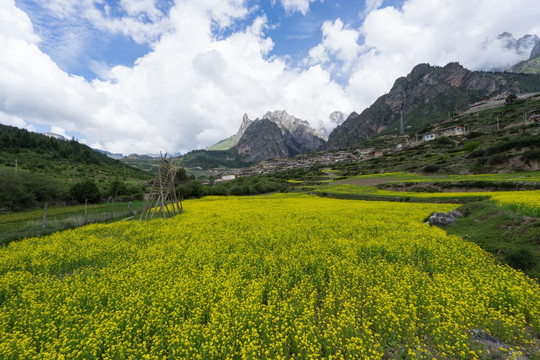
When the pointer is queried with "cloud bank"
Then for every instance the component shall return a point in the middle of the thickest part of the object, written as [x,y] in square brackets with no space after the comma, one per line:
[193,86]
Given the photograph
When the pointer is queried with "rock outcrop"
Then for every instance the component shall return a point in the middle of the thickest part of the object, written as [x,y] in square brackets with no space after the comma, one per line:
[294,136]
[442,219]
[427,94]
[262,140]
[535,52]
[298,134]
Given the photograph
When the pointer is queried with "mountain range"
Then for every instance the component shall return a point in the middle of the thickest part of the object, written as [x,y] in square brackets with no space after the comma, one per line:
[427,95]
[531,65]
[276,135]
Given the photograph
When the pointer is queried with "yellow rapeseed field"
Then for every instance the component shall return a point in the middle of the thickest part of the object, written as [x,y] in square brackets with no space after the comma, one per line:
[273,277]
[524,202]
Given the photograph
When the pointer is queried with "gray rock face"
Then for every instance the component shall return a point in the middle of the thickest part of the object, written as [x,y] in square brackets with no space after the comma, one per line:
[298,134]
[426,90]
[521,46]
[262,140]
[455,213]
[276,135]
[535,52]
[336,118]
[442,219]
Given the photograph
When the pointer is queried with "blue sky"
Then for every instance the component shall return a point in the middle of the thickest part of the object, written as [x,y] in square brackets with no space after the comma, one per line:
[176,75]
[76,44]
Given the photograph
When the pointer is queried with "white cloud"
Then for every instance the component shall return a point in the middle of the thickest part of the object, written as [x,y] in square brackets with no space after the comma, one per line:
[339,44]
[58,130]
[370,6]
[192,89]
[11,120]
[292,6]
[435,32]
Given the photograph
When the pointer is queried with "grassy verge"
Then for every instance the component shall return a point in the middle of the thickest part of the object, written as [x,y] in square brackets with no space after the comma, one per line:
[26,224]
[511,237]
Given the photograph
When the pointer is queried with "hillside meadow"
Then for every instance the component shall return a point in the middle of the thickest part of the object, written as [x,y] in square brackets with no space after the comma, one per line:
[284,276]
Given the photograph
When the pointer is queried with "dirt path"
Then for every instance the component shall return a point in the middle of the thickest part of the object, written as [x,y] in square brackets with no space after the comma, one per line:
[366,182]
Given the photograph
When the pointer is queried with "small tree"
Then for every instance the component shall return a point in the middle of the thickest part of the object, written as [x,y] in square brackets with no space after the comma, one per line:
[86,189]
[117,187]
[510,99]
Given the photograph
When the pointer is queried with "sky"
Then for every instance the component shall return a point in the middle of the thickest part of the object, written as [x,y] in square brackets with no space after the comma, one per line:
[143,76]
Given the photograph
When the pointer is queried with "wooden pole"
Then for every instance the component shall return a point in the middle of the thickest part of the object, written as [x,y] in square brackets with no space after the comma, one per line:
[85,211]
[161,191]
[112,208]
[44,218]
[130,211]
[145,205]
[175,198]
[155,208]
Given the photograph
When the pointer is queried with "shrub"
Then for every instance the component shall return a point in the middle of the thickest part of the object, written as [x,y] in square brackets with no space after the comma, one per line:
[497,159]
[85,190]
[470,146]
[530,155]
[510,99]
[430,168]
[521,259]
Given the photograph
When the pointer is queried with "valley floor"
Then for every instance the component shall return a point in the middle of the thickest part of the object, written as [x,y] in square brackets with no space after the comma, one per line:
[267,277]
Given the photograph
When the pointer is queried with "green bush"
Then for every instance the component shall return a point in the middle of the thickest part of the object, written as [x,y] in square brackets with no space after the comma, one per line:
[470,146]
[521,259]
[530,155]
[23,189]
[430,168]
[497,159]
[85,190]
[510,99]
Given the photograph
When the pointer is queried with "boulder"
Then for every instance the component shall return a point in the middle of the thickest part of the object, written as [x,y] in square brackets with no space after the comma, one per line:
[442,219]
[456,213]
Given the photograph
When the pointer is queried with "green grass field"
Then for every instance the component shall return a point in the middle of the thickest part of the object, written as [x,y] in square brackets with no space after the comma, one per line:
[25,224]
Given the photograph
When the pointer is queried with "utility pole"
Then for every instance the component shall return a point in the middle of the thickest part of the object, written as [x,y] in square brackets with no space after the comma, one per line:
[44,219]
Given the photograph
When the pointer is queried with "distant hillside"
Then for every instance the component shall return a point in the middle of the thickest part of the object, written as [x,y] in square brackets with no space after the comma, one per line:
[531,66]
[205,159]
[299,136]
[427,95]
[505,139]
[116,156]
[46,160]
[232,141]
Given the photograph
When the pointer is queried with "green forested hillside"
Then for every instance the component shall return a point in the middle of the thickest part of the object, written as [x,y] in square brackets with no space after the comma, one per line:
[35,168]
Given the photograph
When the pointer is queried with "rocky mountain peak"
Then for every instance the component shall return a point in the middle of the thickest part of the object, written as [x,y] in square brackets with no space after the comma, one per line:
[336,118]
[243,126]
[282,119]
[522,45]
[427,93]
[256,140]
[535,52]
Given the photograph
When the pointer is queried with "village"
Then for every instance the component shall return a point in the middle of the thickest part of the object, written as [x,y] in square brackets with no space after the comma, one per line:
[400,142]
